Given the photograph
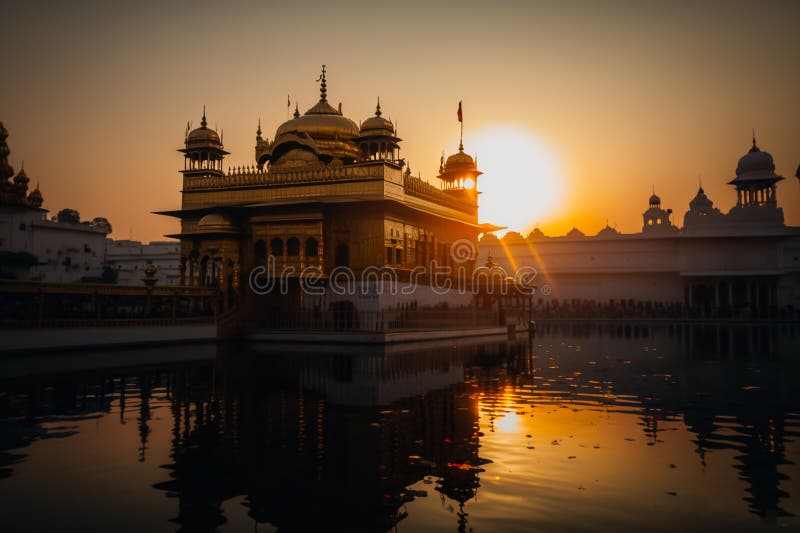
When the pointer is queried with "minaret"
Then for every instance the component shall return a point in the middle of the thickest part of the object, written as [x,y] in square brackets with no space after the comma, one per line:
[756,189]
[756,179]
[204,153]
[460,171]
[655,218]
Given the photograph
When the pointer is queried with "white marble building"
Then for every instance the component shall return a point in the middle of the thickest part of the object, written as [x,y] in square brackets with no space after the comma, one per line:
[740,262]
[129,258]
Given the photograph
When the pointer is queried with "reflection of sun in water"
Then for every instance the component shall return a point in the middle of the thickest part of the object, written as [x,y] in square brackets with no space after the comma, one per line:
[523,182]
[508,423]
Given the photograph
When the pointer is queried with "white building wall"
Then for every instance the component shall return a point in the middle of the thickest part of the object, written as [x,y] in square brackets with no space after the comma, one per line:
[129,259]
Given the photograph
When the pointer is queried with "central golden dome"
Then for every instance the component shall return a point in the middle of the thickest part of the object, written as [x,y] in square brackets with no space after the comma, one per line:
[320,122]
[322,129]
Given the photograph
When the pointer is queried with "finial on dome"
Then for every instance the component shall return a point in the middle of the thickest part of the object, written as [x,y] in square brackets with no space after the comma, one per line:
[296,111]
[203,122]
[378,108]
[323,91]
[258,131]
[755,147]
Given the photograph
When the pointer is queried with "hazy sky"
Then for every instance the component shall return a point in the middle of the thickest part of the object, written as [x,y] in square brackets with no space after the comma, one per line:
[626,95]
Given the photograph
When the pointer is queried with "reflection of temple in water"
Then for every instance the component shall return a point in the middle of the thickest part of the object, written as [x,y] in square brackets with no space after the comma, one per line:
[314,439]
[730,392]
[317,449]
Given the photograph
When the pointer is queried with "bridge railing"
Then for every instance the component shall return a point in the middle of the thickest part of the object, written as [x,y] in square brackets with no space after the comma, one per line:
[35,304]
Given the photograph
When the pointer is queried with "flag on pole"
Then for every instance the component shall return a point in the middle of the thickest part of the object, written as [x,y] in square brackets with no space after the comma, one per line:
[460,116]
[288,101]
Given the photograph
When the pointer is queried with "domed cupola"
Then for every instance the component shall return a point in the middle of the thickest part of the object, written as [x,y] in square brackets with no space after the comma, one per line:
[322,130]
[203,137]
[608,232]
[21,181]
[203,152]
[755,162]
[755,179]
[575,233]
[701,212]
[655,218]
[35,198]
[377,138]
[459,171]
[701,202]
[215,223]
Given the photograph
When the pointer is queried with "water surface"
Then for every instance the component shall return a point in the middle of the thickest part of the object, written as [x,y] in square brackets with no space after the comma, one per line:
[587,428]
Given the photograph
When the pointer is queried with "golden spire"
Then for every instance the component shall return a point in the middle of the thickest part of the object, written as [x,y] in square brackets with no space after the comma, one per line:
[296,111]
[378,108]
[323,91]
[203,122]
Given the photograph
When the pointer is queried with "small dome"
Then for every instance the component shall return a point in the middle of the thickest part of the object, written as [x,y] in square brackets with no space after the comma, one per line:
[459,159]
[377,125]
[215,223]
[536,233]
[755,161]
[701,201]
[21,178]
[608,231]
[654,199]
[203,137]
[574,233]
[35,198]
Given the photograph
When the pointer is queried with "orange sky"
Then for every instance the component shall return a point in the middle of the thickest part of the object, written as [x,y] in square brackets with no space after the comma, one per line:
[628,95]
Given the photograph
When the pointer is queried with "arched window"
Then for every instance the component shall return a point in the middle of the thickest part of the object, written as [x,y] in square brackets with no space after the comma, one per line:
[276,247]
[312,247]
[293,247]
[260,252]
[342,255]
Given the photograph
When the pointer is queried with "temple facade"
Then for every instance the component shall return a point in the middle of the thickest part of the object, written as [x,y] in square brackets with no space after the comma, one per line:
[741,263]
[324,196]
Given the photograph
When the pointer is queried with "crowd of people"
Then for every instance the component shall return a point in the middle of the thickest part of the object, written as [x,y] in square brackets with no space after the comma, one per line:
[590,309]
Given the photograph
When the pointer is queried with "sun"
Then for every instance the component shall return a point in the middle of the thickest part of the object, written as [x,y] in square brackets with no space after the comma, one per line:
[523,182]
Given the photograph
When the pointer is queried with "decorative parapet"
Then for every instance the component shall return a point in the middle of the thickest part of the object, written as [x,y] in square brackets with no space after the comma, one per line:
[420,188]
[253,177]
